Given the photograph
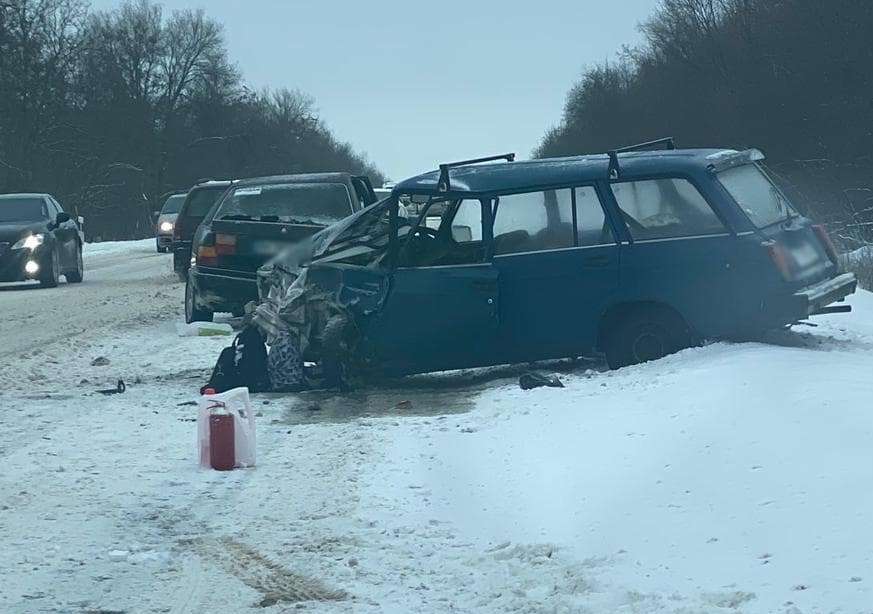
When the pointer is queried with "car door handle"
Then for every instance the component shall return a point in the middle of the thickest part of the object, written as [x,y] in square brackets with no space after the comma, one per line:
[597,261]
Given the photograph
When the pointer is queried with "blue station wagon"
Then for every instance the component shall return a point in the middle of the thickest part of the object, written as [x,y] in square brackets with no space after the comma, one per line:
[633,254]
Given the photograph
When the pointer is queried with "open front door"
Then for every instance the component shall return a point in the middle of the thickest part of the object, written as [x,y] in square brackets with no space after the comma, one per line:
[438,318]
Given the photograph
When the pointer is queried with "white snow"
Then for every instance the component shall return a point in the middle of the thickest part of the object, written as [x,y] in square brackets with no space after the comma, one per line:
[729,478]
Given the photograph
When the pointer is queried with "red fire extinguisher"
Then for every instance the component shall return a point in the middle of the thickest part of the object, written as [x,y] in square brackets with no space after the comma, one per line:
[222,450]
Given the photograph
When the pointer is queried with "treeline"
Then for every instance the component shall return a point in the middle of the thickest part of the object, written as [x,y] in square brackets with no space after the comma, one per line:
[109,111]
[791,77]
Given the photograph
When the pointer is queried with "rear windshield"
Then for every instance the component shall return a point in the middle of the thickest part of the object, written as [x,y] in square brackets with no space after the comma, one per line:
[301,203]
[759,197]
[22,209]
[200,201]
[173,204]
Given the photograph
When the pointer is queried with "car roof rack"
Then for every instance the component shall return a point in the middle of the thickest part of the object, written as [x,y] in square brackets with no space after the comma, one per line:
[444,184]
[614,168]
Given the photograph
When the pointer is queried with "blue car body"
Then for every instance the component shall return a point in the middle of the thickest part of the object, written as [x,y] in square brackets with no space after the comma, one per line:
[723,254]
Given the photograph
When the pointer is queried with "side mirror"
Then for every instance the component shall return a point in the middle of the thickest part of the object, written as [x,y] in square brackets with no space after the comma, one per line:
[462,234]
[156,215]
[62,218]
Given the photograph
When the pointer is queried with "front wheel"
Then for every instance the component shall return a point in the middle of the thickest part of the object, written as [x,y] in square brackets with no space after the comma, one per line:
[644,336]
[192,312]
[51,271]
[78,274]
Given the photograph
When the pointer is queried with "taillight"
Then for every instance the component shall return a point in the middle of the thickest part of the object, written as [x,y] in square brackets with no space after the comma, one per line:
[207,254]
[823,236]
[225,245]
[780,258]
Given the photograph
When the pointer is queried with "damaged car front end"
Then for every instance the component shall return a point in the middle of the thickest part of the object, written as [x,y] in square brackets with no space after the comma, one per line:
[320,292]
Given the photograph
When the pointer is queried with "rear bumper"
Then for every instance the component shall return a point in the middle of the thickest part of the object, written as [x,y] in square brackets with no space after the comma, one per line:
[223,290]
[813,298]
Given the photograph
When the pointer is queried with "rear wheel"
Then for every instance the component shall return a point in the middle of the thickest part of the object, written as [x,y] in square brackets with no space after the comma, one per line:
[192,312]
[645,335]
[78,274]
[52,271]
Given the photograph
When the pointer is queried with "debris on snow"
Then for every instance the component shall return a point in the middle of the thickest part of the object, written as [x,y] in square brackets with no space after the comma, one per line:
[204,329]
[531,380]
[100,361]
[119,389]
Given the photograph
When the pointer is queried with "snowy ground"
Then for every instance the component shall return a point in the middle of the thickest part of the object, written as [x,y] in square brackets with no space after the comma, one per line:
[730,478]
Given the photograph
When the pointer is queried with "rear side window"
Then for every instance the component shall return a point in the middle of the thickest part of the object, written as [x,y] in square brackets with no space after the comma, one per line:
[756,194]
[173,204]
[665,208]
[201,201]
[533,221]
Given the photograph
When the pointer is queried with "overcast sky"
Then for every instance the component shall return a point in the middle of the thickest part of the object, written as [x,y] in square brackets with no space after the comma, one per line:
[411,83]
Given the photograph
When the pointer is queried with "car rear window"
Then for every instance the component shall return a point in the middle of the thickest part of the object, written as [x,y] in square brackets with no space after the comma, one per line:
[173,204]
[200,201]
[756,194]
[22,209]
[302,203]
[665,208]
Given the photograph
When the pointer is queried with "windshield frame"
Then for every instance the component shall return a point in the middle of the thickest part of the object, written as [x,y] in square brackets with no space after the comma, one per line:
[301,219]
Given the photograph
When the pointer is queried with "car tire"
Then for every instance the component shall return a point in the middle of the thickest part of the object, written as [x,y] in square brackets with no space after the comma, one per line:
[50,275]
[192,312]
[78,274]
[645,335]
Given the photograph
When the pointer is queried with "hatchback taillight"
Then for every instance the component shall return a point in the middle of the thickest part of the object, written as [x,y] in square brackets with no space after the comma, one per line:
[206,254]
[225,245]
[825,239]
[779,256]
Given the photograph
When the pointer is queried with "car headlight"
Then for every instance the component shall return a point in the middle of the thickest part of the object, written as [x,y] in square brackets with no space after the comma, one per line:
[30,242]
[166,226]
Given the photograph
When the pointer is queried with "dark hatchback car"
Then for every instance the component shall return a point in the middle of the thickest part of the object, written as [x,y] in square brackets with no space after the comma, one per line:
[197,204]
[252,223]
[634,254]
[39,240]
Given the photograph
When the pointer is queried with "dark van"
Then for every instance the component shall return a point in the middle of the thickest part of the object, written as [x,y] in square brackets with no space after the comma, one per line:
[198,202]
[634,254]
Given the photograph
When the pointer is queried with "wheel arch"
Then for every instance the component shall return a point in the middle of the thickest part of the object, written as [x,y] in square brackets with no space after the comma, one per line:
[619,311]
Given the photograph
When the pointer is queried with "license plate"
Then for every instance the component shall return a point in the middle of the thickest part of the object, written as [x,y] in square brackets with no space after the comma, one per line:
[804,255]
[268,248]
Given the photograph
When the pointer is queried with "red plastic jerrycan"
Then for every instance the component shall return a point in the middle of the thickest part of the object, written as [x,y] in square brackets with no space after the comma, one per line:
[222,452]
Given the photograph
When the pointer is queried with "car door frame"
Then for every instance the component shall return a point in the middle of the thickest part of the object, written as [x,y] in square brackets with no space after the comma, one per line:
[63,236]
[705,313]
[461,300]
[573,336]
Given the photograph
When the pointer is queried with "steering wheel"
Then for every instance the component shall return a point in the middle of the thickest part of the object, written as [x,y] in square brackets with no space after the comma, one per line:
[426,231]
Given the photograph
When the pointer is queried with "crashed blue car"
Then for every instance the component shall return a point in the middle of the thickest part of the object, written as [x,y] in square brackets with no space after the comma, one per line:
[632,254]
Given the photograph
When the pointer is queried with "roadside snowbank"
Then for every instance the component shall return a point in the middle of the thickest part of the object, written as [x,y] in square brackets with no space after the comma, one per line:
[724,479]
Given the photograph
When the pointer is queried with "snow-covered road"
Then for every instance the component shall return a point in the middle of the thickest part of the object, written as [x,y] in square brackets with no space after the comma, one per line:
[729,478]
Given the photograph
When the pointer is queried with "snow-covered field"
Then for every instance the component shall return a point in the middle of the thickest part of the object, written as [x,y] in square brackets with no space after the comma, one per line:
[729,478]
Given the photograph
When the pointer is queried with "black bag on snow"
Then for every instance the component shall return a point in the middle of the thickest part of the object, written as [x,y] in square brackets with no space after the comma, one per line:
[243,363]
